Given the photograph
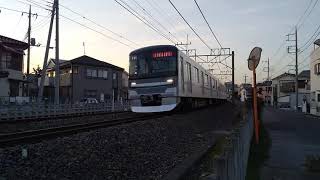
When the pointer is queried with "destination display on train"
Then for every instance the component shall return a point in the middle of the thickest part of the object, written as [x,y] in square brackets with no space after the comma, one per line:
[162,54]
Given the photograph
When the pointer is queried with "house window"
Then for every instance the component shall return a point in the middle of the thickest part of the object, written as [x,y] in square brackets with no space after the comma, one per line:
[317,69]
[5,60]
[114,76]
[100,73]
[105,74]
[75,70]
[94,73]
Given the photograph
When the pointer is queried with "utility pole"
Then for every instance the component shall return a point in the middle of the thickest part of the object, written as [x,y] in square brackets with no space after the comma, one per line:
[57,63]
[29,44]
[296,66]
[245,79]
[185,44]
[267,69]
[232,88]
[297,93]
[45,61]
[84,48]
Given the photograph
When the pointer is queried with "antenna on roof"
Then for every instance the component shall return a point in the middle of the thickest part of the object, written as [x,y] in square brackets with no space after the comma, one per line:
[84,48]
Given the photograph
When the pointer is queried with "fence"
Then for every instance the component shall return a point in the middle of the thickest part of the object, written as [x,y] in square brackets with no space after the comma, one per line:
[41,110]
[231,164]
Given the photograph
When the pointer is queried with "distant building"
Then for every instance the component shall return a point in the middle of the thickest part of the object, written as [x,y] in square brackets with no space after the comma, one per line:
[315,79]
[11,67]
[228,86]
[265,89]
[85,77]
[283,89]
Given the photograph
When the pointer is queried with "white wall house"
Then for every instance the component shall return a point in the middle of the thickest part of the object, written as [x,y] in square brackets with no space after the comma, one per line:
[283,90]
[315,79]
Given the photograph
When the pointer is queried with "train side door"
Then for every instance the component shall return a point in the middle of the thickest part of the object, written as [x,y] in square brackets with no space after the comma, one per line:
[202,82]
[182,73]
[188,74]
[210,85]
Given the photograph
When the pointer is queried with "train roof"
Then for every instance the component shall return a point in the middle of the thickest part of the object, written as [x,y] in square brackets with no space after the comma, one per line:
[153,47]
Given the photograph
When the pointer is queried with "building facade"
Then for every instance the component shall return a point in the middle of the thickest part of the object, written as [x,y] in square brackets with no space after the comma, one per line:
[11,68]
[315,79]
[283,90]
[86,77]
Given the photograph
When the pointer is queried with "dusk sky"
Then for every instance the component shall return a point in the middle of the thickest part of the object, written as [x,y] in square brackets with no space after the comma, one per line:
[238,24]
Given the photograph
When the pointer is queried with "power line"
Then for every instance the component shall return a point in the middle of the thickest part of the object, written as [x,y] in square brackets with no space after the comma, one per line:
[189,25]
[300,19]
[105,28]
[208,23]
[109,37]
[315,3]
[163,13]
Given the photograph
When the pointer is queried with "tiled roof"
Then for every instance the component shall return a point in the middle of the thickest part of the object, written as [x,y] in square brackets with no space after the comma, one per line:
[304,74]
[9,41]
[89,61]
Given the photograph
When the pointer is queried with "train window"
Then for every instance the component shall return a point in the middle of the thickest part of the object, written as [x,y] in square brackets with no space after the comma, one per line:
[188,70]
[202,78]
[197,77]
[206,80]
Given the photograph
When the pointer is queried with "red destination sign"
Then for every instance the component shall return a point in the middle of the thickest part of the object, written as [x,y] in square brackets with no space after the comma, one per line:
[162,54]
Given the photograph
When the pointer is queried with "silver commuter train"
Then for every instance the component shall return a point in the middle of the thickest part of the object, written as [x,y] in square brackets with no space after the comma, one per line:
[162,78]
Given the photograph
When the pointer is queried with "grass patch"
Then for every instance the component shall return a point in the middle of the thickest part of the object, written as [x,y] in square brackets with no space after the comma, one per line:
[259,153]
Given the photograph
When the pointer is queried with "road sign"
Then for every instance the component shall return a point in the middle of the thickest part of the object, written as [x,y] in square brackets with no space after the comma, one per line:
[254,58]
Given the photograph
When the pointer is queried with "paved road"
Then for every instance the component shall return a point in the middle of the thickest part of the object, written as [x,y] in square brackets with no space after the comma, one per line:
[294,135]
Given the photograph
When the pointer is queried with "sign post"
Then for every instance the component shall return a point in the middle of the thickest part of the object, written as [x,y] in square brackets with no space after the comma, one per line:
[253,61]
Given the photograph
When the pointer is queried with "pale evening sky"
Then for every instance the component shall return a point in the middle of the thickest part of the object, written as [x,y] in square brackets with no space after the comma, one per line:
[238,24]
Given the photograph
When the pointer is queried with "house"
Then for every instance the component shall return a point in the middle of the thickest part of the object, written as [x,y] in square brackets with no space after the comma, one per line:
[85,77]
[265,89]
[315,79]
[283,89]
[11,68]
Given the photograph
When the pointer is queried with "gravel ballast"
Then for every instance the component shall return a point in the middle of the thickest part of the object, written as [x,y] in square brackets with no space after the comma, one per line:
[140,150]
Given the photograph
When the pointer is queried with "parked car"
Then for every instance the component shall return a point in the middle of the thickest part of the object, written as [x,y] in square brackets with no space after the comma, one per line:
[88,101]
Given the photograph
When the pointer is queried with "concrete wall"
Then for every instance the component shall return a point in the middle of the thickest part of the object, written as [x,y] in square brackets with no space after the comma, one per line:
[315,83]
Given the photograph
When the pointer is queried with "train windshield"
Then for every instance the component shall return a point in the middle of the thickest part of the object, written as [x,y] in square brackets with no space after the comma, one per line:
[153,64]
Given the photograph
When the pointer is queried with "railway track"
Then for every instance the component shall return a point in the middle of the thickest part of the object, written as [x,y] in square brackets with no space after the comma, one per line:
[32,136]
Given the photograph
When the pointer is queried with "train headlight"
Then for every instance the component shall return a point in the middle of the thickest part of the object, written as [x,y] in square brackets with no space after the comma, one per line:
[170,81]
[133,84]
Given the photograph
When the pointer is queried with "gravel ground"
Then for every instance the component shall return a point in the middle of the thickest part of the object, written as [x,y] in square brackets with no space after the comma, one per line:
[141,150]
[25,125]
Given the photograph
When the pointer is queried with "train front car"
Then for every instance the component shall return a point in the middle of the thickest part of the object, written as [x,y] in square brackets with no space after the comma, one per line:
[153,79]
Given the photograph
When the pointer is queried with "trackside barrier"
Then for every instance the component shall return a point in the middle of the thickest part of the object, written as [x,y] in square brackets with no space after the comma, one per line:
[226,159]
[33,111]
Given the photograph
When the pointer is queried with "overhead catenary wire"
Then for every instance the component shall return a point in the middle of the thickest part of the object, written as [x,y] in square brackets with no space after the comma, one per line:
[190,26]
[208,24]
[155,20]
[129,9]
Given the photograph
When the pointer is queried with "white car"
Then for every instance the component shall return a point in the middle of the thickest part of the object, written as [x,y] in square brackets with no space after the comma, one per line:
[88,101]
